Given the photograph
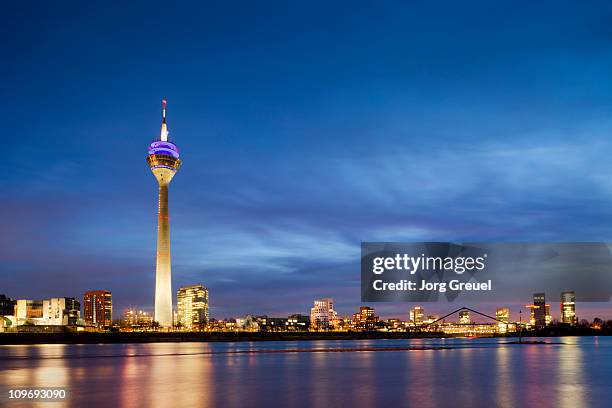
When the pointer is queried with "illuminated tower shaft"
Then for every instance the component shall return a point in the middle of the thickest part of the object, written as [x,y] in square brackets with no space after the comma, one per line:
[163,268]
[164,161]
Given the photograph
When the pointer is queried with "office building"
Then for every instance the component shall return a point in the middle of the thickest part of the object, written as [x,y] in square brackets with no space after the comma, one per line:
[502,314]
[365,319]
[539,310]
[416,315]
[98,308]
[298,322]
[192,307]
[136,318]
[29,312]
[322,314]
[61,311]
[568,308]
[464,317]
[7,306]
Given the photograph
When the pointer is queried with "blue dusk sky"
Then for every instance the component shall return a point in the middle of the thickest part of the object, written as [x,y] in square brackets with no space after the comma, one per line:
[305,128]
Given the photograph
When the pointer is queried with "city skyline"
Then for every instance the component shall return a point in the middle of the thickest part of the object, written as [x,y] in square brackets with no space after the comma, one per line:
[291,165]
[192,305]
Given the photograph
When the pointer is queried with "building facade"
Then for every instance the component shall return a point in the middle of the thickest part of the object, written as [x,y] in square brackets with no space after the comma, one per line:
[133,318]
[365,319]
[322,314]
[192,307]
[539,310]
[29,312]
[464,317]
[98,308]
[416,315]
[7,306]
[298,322]
[568,308]
[502,314]
[61,311]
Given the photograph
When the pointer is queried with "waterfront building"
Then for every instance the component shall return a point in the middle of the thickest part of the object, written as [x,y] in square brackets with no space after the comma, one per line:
[416,315]
[431,318]
[248,323]
[61,311]
[29,312]
[365,319]
[468,330]
[395,325]
[192,307]
[98,308]
[163,159]
[531,315]
[271,323]
[464,317]
[502,314]
[297,322]
[7,306]
[539,310]
[568,307]
[136,319]
[222,325]
[129,317]
[322,314]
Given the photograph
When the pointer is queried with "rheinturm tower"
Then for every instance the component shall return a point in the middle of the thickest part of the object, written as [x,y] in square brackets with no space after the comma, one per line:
[164,161]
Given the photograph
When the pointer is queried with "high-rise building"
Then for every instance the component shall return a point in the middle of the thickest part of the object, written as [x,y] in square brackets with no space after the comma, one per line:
[322,314]
[416,315]
[568,307]
[192,306]
[61,311]
[164,161]
[98,308]
[464,317]
[7,306]
[539,310]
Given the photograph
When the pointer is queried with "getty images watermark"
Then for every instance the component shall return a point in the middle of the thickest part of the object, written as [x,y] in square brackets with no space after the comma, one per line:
[412,264]
[431,271]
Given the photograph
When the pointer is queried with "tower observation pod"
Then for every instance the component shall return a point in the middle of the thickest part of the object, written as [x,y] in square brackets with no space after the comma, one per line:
[164,161]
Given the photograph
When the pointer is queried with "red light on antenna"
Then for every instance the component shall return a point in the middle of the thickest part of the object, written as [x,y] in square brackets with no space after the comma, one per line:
[164,102]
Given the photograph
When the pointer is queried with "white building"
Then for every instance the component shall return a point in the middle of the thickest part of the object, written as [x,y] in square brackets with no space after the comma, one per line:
[322,314]
[28,311]
[61,311]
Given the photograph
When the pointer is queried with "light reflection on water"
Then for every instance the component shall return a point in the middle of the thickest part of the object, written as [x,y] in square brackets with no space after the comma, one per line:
[482,372]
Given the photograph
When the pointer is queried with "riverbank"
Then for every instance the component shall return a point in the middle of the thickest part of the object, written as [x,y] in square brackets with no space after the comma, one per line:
[158,337]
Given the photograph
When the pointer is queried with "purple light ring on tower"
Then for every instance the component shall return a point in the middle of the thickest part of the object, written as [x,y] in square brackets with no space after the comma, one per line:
[165,148]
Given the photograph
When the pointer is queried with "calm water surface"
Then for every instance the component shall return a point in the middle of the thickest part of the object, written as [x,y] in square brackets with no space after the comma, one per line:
[472,373]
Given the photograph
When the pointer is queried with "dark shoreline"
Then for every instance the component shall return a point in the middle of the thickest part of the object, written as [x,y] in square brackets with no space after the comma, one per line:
[157,337]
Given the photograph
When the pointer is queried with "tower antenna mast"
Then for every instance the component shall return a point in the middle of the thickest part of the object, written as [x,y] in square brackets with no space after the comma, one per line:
[164,128]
